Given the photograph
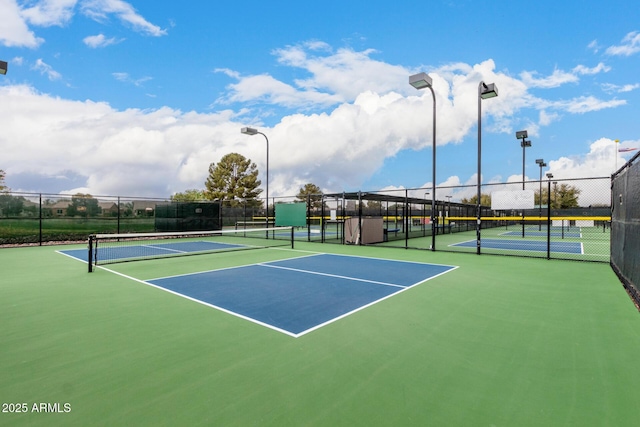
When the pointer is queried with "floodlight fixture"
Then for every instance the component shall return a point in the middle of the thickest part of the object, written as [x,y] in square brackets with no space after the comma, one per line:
[549,175]
[525,143]
[522,134]
[420,80]
[249,131]
[488,90]
[3,67]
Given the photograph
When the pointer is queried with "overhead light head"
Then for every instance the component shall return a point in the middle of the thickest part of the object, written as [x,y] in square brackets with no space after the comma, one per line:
[549,175]
[522,134]
[3,67]
[525,143]
[539,161]
[488,91]
[420,80]
[249,131]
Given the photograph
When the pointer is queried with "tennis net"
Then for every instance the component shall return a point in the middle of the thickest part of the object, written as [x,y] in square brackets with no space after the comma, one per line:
[113,248]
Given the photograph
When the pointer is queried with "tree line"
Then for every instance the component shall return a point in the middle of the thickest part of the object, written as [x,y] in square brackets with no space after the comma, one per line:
[563,196]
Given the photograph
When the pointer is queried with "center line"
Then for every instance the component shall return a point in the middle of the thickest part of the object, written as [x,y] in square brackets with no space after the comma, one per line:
[333,275]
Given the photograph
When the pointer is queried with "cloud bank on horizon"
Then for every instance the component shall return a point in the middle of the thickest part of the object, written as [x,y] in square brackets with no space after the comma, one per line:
[335,118]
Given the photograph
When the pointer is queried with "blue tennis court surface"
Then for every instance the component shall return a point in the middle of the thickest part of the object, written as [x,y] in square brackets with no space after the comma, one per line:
[543,233]
[525,245]
[151,250]
[296,296]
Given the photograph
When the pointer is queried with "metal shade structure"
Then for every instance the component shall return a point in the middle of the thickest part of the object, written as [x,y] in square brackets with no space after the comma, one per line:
[485,91]
[422,81]
[3,67]
[252,131]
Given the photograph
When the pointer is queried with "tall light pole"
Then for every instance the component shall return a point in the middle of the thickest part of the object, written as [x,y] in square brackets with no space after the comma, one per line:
[421,81]
[524,144]
[484,91]
[252,131]
[542,164]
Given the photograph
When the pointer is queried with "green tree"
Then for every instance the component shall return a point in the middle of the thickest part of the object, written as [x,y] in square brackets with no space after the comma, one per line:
[564,196]
[83,205]
[536,197]
[2,186]
[11,205]
[234,178]
[313,193]
[374,204]
[485,200]
[192,195]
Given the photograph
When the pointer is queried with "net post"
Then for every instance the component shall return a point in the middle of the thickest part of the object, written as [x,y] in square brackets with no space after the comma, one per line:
[90,253]
[292,237]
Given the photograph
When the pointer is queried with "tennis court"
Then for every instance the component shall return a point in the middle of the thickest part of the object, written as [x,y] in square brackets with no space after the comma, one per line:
[494,341]
[525,245]
[293,296]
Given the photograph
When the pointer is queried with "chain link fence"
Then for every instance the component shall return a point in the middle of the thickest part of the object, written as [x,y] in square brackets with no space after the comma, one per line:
[625,227]
[566,219]
[38,218]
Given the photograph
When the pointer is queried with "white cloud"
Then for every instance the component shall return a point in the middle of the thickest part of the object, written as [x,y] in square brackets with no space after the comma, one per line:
[345,72]
[99,40]
[545,118]
[50,12]
[585,104]
[612,88]
[630,45]
[99,10]
[557,78]
[14,30]
[126,78]
[16,19]
[264,88]
[46,69]
[600,68]
[338,146]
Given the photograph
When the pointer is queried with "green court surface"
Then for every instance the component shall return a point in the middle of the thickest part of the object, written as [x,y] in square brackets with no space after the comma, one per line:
[499,341]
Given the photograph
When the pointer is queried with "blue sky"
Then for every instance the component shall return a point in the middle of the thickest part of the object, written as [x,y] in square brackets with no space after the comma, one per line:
[137,98]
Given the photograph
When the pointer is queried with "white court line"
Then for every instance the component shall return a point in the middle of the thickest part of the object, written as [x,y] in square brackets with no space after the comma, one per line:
[233,313]
[310,254]
[332,275]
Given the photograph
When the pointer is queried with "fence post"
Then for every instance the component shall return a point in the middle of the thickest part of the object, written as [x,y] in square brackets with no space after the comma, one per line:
[40,221]
[90,253]
[549,219]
